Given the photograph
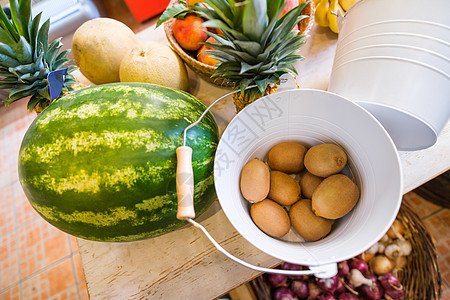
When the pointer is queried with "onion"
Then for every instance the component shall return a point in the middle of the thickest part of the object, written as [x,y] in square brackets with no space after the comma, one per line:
[394,294]
[348,296]
[349,287]
[328,285]
[357,279]
[294,267]
[373,292]
[396,230]
[326,296]
[283,293]
[314,290]
[300,288]
[277,280]
[389,281]
[343,268]
[340,288]
[400,262]
[380,264]
[359,264]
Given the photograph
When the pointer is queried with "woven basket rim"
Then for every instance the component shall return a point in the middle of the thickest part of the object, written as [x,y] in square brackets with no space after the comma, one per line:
[205,70]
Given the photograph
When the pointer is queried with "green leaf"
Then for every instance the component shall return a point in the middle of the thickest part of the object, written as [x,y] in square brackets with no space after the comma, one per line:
[254,48]
[6,38]
[172,12]
[52,52]
[33,30]
[7,61]
[42,37]
[7,50]
[34,100]
[7,26]
[24,52]
[274,8]
[15,16]
[21,91]
[246,67]
[254,19]
[25,16]
[225,28]
[222,8]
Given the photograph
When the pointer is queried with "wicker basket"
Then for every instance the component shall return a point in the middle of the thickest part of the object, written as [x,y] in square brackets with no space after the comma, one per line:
[204,70]
[420,278]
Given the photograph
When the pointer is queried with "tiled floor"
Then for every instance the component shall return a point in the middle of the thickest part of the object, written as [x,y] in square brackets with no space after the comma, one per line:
[38,261]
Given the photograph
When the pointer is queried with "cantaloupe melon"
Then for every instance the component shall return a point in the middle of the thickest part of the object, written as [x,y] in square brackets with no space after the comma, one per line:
[98,47]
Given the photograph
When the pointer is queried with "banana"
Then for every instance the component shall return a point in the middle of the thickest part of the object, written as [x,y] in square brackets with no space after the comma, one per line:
[346,4]
[321,13]
[331,15]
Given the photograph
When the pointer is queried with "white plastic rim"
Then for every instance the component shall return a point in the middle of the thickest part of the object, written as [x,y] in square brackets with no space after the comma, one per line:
[430,43]
[418,95]
[421,55]
[407,26]
[312,117]
[370,11]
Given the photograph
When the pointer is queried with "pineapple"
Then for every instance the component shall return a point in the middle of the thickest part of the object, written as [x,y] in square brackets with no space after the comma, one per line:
[257,46]
[26,58]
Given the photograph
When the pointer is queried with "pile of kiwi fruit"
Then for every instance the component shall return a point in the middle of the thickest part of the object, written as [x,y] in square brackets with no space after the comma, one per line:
[311,204]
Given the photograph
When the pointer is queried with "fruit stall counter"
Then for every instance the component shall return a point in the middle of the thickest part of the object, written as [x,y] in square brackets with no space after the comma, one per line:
[184,264]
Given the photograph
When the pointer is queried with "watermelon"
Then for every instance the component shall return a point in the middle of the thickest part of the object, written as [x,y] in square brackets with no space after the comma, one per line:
[100,163]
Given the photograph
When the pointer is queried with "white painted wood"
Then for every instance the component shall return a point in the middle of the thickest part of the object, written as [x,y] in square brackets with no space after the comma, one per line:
[184,264]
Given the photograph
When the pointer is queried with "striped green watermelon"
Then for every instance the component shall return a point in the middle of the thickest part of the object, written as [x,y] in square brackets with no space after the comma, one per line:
[100,163]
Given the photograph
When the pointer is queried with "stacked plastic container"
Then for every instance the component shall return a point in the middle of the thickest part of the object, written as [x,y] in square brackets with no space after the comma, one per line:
[393,58]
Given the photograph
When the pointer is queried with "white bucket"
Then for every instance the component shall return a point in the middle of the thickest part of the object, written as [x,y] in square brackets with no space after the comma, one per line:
[311,117]
[393,59]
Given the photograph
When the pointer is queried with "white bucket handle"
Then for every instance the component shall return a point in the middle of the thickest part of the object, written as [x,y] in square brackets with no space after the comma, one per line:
[185,195]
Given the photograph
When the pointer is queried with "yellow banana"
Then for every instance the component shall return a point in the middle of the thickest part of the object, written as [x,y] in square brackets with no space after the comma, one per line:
[321,13]
[316,2]
[346,4]
[331,15]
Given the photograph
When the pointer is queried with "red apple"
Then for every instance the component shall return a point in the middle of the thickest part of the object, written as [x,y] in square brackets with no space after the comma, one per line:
[189,32]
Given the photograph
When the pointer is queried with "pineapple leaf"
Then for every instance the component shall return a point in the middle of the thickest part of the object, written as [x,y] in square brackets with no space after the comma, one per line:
[218,39]
[254,19]
[276,13]
[42,37]
[52,52]
[7,26]
[33,29]
[34,100]
[172,12]
[222,56]
[254,48]
[7,50]
[6,38]
[21,91]
[24,52]
[222,8]
[246,67]
[262,84]
[225,28]
[274,8]
[25,16]
[7,61]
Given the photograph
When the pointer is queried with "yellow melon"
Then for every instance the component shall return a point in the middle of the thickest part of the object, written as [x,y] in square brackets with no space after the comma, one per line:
[98,47]
[156,63]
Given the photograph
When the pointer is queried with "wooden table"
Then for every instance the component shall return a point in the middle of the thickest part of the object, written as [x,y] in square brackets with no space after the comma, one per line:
[183,264]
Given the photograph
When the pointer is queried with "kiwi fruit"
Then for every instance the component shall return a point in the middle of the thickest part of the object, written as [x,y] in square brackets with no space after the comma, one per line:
[287,157]
[255,180]
[270,217]
[325,159]
[335,197]
[308,183]
[306,223]
[284,189]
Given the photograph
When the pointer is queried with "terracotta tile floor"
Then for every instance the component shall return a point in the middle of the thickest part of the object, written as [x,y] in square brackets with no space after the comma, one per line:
[38,261]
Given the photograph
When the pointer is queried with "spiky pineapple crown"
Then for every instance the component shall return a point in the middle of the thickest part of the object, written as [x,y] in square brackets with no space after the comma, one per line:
[26,57]
[257,46]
